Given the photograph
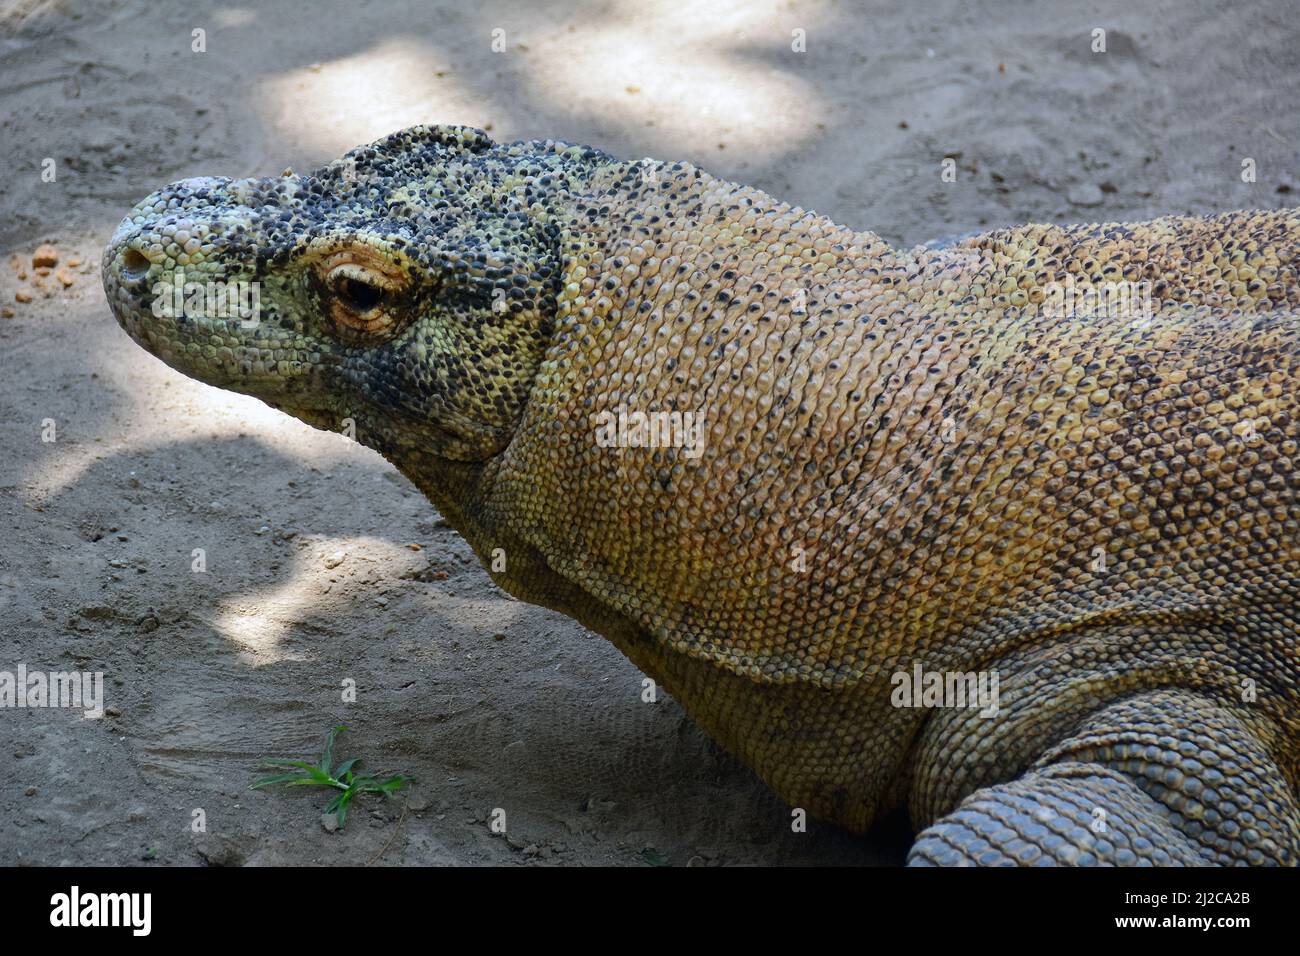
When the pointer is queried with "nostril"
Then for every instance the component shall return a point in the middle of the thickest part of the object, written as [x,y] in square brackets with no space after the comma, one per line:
[135,264]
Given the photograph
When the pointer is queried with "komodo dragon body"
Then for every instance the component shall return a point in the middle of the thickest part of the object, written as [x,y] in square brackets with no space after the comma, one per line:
[898,464]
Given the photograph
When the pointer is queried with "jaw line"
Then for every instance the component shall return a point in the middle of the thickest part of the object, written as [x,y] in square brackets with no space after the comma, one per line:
[322,417]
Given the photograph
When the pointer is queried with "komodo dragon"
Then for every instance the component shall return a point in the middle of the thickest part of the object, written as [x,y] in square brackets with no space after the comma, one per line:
[869,466]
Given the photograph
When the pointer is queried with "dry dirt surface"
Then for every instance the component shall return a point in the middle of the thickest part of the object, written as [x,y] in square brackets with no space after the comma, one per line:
[323,566]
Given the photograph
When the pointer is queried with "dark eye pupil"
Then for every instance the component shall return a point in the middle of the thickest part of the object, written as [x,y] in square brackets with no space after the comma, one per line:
[359,296]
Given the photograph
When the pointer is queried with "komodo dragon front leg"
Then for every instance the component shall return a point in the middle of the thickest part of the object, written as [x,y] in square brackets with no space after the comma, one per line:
[777,462]
[1163,778]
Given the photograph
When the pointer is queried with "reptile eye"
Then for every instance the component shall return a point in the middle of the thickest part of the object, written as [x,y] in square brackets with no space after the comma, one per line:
[358,294]
[362,296]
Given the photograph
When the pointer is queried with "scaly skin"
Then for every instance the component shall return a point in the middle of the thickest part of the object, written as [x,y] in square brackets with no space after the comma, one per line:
[907,459]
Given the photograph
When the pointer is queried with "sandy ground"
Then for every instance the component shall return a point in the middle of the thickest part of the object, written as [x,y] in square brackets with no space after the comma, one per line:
[489,703]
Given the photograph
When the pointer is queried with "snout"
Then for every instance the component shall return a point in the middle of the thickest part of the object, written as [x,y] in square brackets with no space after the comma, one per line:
[170,230]
[184,276]
[167,274]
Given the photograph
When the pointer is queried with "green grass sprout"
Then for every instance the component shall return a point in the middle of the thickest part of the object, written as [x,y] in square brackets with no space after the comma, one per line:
[343,777]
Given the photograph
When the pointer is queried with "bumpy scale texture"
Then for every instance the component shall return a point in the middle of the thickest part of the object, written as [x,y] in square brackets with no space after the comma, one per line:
[907,458]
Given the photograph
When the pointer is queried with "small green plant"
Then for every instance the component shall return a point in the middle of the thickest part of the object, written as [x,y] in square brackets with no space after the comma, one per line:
[653,857]
[343,777]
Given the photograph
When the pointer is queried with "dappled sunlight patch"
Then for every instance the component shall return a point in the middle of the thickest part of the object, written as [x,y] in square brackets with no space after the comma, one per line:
[331,576]
[257,628]
[338,104]
[234,17]
[153,414]
[702,82]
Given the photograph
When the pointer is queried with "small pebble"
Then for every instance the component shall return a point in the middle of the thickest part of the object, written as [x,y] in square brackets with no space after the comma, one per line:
[1085,194]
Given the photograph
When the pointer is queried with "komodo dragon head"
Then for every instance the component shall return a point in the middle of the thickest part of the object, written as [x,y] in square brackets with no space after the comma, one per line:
[409,286]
